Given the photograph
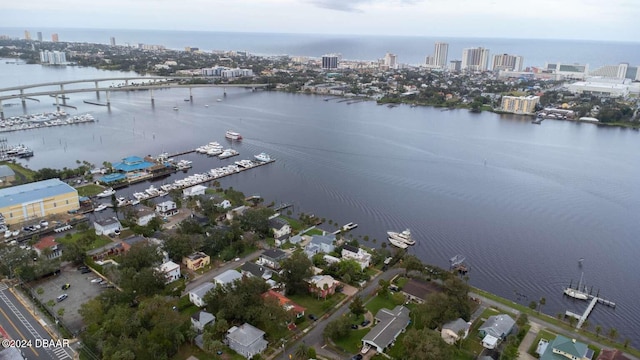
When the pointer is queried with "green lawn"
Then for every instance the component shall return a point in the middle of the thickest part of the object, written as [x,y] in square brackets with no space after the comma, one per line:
[401,281]
[99,241]
[89,190]
[353,342]
[314,231]
[296,225]
[542,334]
[187,350]
[315,306]
[377,303]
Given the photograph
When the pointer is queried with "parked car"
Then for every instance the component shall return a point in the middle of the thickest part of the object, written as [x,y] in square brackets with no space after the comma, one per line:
[85,271]
[356,357]
[83,267]
[66,286]
[62,297]
[365,323]
[313,317]
[354,326]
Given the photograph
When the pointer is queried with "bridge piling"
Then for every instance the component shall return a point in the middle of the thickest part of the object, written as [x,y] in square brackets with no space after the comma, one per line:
[152,99]
[108,99]
[1,111]
[190,94]
[97,91]
[64,98]
[24,101]
[57,103]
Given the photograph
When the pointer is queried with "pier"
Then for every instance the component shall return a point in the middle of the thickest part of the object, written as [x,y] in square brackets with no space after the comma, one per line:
[592,304]
[282,207]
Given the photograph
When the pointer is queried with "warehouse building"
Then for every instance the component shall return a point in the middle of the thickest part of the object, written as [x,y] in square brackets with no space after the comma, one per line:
[37,200]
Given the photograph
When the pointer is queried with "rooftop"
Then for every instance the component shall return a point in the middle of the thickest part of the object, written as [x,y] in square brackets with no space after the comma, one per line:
[274,254]
[203,289]
[45,243]
[228,277]
[33,191]
[108,221]
[132,163]
[245,334]
[391,323]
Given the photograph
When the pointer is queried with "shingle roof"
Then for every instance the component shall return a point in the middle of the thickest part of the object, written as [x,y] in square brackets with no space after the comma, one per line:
[353,249]
[203,289]
[252,268]
[33,191]
[565,345]
[45,242]
[228,277]
[246,334]
[274,254]
[277,223]
[321,239]
[418,288]
[108,221]
[203,317]
[391,323]
[456,325]
[498,325]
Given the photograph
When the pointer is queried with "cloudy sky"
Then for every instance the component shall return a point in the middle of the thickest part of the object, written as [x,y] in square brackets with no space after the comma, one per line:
[559,19]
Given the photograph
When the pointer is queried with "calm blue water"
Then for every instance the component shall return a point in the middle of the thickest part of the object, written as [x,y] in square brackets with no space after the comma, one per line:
[410,50]
[547,195]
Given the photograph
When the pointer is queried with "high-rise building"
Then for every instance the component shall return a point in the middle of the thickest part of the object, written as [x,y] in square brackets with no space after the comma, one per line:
[112,41]
[569,71]
[507,62]
[27,35]
[620,71]
[475,59]
[455,65]
[330,61]
[519,104]
[40,36]
[53,57]
[391,60]
[54,37]
[439,58]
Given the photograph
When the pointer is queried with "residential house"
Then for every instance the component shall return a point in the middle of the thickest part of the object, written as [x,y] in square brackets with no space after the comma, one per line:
[239,211]
[389,325]
[454,330]
[272,258]
[296,239]
[133,240]
[48,247]
[564,348]
[331,259]
[196,261]
[496,329]
[607,354]
[167,208]
[107,226]
[323,285]
[286,303]
[355,253]
[196,296]
[144,215]
[227,277]
[281,228]
[170,271]
[194,191]
[418,290]
[225,204]
[252,269]
[246,340]
[201,319]
[320,244]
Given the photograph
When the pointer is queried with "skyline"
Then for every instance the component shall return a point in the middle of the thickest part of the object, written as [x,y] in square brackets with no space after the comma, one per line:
[588,19]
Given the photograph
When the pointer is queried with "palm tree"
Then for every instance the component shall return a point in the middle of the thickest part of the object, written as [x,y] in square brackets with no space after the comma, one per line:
[301,352]
[541,303]
[598,330]
[586,324]
[613,334]
[114,203]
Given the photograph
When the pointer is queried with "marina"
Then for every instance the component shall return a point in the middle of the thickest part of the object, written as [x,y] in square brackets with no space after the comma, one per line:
[580,293]
[27,122]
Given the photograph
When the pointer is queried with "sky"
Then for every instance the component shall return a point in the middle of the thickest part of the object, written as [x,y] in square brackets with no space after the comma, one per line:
[609,20]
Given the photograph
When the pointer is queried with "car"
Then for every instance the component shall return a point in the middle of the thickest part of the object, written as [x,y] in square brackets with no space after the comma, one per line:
[66,286]
[365,323]
[85,271]
[354,326]
[62,297]
[357,357]
[95,281]
[83,267]
[313,317]
[236,259]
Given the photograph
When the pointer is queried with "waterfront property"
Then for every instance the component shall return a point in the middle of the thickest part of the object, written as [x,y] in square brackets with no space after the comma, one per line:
[454,330]
[280,227]
[355,253]
[246,340]
[107,226]
[320,244]
[35,200]
[389,325]
[519,104]
[496,329]
[564,348]
[167,208]
[417,290]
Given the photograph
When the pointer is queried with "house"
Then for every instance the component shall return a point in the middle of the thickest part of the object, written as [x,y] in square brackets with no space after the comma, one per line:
[194,191]
[144,215]
[296,239]
[272,258]
[252,269]
[496,329]
[280,227]
[107,226]
[320,244]
[170,270]
[133,240]
[607,354]
[48,247]
[196,296]
[322,285]
[239,211]
[564,348]
[418,290]
[286,303]
[225,204]
[389,325]
[7,175]
[227,277]
[201,319]
[331,259]
[167,208]
[246,340]
[452,330]
[196,261]
[355,253]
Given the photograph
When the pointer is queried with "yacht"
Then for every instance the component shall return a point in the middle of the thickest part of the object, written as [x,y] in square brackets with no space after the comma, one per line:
[349,226]
[232,135]
[264,158]
[106,193]
[404,236]
[152,191]
[100,207]
[577,293]
[122,201]
[398,243]
[228,153]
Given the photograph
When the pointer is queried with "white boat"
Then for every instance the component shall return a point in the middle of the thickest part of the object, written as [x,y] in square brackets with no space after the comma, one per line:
[135,202]
[404,236]
[577,293]
[44,223]
[398,243]
[122,201]
[219,100]
[140,196]
[228,153]
[232,135]
[7,234]
[100,207]
[106,193]
[152,191]
[349,226]
[175,108]
[264,157]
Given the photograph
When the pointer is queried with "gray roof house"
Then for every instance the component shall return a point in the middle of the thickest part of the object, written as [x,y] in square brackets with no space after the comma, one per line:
[253,269]
[196,296]
[389,325]
[106,226]
[272,258]
[281,228]
[200,319]
[227,277]
[320,244]
[495,329]
[246,340]
[451,331]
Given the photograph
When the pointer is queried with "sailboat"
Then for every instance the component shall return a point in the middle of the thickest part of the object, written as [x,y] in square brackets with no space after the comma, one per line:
[577,293]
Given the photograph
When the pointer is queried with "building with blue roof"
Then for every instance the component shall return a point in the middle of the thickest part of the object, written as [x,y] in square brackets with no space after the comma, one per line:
[28,202]
[132,164]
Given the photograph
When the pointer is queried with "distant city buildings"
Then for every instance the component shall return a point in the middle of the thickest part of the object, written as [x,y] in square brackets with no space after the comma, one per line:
[391,61]
[604,87]
[54,38]
[40,36]
[507,62]
[568,71]
[142,46]
[475,59]
[330,61]
[225,72]
[439,58]
[455,65]
[53,57]
[27,35]
[519,104]
[620,71]
[112,41]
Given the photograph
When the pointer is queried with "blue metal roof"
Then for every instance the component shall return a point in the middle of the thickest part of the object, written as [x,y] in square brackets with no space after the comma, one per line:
[33,192]
[112,178]
[127,166]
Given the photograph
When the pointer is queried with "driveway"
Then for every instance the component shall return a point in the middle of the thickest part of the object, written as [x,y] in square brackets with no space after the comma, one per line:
[526,343]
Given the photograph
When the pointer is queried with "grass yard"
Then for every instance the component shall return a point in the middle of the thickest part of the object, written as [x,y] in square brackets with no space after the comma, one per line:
[353,342]
[296,225]
[542,334]
[187,350]
[401,281]
[315,306]
[89,190]
[377,303]
[98,242]
[314,231]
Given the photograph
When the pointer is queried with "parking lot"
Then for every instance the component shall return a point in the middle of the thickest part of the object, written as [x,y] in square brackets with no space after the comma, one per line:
[80,291]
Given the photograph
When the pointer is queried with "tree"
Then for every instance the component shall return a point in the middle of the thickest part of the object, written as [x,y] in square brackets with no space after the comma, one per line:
[357,306]
[598,330]
[338,328]
[613,334]
[383,291]
[412,263]
[301,352]
[533,305]
[257,220]
[424,344]
[181,245]
[541,303]
[114,204]
[296,269]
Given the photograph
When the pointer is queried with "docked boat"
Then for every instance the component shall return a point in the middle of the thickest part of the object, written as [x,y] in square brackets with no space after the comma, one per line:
[349,226]
[227,153]
[183,165]
[232,135]
[577,293]
[175,108]
[100,207]
[121,201]
[264,157]
[152,191]
[397,243]
[106,193]
[404,236]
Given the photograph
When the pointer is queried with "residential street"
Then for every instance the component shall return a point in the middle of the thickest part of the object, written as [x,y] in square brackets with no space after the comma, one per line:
[215,272]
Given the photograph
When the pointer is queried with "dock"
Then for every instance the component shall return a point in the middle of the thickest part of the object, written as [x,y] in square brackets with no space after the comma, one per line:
[94,103]
[181,153]
[592,304]
[282,207]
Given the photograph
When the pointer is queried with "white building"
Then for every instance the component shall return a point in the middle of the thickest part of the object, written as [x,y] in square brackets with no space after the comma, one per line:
[194,191]
[196,296]
[167,208]
[144,215]
[620,71]
[475,59]
[227,277]
[170,270]
[507,62]
[601,87]
[439,58]
[354,253]
[519,104]
[53,57]
[391,60]
[246,340]
[107,226]
[569,71]
[330,61]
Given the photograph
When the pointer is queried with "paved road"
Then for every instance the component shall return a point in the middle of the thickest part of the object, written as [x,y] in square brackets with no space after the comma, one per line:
[314,336]
[215,272]
[19,324]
